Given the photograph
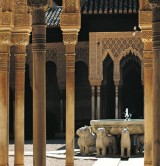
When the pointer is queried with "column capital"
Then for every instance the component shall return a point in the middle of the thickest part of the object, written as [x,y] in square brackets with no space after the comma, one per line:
[37,3]
[70,38]
[5,38]
[71,6]
[145,19]
[20,38]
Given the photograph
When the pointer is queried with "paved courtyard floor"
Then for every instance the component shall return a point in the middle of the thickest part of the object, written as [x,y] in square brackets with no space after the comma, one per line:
[56,156]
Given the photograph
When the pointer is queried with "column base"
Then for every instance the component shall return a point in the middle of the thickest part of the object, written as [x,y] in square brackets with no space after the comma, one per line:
[147,163]
[69,164]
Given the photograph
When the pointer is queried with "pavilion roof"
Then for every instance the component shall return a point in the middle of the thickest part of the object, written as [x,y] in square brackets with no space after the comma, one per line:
[95,7]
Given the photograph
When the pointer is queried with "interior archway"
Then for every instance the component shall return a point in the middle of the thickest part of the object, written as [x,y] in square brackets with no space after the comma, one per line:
[132,88]
[108,90]
[82,95]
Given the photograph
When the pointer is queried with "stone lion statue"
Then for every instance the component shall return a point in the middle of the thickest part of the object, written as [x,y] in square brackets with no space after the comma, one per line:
[125,142]
[102,142]
[86,140]
[140,144]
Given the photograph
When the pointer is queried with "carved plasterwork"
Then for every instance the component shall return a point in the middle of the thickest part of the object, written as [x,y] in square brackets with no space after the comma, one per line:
[21,7]
[37,3]
[51,55]
[147,35]
[70,6]
[6,18]
[154,3]
[5,5]
[21,20]
[5,37]
[20,39]
[116,44]
[82,52]
[70,38]
[145,17]
[146,5]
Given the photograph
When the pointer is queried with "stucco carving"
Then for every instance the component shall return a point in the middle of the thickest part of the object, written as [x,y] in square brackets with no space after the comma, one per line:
[20,39]
[51,55]
[37,3]
[115,44]
[5,37]
[70,6]
[6,18]
[70,38]
[82,54]
[145,17]
[147,35]
[146,5]
[22,20]
[21,6]
[154,2]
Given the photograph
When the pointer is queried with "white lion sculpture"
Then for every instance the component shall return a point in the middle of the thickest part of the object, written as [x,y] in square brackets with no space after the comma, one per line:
[102,142]
[139,144]
[125,142]
[86,140]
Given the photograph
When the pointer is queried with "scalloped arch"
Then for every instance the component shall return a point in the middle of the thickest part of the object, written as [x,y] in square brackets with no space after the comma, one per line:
[127,51]
[108,51]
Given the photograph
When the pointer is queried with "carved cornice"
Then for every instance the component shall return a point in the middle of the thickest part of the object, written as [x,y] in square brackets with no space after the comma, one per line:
[20,39]
[37,3]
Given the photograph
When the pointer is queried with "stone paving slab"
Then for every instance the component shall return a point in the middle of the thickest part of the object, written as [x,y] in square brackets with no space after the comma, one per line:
[107,161]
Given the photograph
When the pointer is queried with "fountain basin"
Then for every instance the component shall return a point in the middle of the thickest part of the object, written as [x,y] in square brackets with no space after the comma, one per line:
[115,126]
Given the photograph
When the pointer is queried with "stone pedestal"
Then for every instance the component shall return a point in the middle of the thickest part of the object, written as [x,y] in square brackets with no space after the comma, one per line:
[4,103]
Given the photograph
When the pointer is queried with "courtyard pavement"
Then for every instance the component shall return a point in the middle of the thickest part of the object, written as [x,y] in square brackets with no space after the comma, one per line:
[55,152]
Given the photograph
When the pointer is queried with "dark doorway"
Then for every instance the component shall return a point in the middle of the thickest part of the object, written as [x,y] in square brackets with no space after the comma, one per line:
[82,95]
[52,100]
[108,90]
[132,88]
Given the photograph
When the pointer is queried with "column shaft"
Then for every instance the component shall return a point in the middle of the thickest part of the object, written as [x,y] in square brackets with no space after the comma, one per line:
[148,107]
[93,102]
[116,101]
[156,85]
[98,102]
[20,51]
[4,103]
[61,109]
[70,105]
[39,87]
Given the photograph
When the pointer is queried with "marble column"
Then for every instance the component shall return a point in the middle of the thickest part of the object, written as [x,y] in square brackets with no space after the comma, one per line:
[20,53]
[93,102]
[98,105]
[146,27]
[156,82]
[116,101]
[4,102]
[39,80]
[70,25]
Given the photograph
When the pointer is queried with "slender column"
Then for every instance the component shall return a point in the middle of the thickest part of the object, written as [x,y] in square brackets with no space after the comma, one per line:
[156,82]
[70,25]
[39,81]
[61,109]
[146,26]
[98,109]
[116,101]
[4,103]
[116,77]
[20,52]
[70,103]
[93,102]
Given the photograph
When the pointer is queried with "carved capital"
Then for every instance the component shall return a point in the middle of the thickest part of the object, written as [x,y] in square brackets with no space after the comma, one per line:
[6,20]
[147,35]
[154,3]
[5,37]
[70,38]
[37,3]
[70,21]
[71,6]
[22,20]
[145,19]
[20,38]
